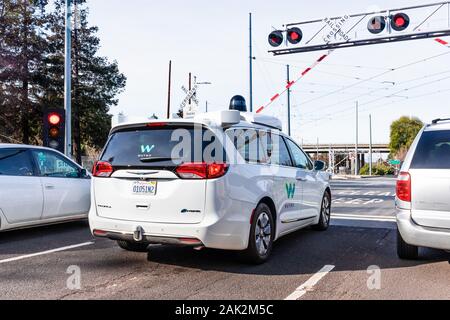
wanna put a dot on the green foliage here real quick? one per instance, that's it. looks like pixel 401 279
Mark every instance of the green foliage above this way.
pixel 378 169
pixel 403 133
pixel 22 48
pixel 32 73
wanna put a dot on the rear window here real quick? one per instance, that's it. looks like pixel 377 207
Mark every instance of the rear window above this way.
pixel 433 151
pixel 165 146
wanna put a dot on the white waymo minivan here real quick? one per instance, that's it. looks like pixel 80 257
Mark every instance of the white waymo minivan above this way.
pixel 225 180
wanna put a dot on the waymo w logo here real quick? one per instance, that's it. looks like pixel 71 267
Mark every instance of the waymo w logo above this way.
pixel 290 190
pixel 147 148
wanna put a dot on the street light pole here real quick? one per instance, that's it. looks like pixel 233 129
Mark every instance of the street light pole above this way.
pixel 68 79
pixel 370 145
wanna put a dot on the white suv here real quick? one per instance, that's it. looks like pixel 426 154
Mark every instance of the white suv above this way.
pixel 423 192
pixel 225 180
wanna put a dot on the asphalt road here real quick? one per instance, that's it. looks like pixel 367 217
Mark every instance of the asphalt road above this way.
pixel 361 236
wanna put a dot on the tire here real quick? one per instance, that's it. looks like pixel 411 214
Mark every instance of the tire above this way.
pixel 262 233
pixel 325 213
pixel 406 251
pixel 133 246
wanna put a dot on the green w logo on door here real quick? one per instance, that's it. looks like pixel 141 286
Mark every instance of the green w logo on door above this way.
pixel 290 190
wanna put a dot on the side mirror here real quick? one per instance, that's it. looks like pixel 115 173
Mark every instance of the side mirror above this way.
pixel 320 165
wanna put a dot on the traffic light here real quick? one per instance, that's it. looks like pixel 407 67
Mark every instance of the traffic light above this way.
pixel 54 129
pixel 276 38
pixel 376 25
pixel 294 35
pixel 400 21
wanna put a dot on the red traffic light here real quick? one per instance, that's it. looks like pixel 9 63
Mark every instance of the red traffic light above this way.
pixel 294 35
pixel 276 38
pixel 376 25
pixel 400 22
pixel 54 119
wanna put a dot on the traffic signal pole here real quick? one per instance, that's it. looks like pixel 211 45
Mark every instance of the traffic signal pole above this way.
pixel 68 79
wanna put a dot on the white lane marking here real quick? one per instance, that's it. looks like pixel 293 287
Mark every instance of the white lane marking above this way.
pixel 47 252
pixel 309 285
pixel 363 217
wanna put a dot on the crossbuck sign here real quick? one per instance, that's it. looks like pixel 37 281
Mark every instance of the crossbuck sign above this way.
pixel 189 109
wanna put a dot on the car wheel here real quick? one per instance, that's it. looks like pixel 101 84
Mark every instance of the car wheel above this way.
pixel 406 251
pixel 133 246
pixel 261 236
pixel 325 213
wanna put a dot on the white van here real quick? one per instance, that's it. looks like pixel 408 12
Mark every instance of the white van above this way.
pixel 225 180
pixel 422 201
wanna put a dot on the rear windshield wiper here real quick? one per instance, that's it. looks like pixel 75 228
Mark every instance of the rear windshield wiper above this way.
pixel 157 159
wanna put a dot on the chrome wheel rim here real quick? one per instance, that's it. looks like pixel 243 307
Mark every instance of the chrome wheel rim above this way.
pixel 263 233
pixel 326 210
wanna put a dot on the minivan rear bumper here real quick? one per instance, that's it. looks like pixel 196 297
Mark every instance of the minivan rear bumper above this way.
pixel 416 235
pixel 219 234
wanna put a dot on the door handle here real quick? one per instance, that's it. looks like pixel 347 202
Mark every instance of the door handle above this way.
pixel 49 187
pixel 302 179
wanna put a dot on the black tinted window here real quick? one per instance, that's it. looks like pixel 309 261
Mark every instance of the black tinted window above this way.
pixel 162 146
pixel 15 162
pixel 280 154
pixel 433 151
pixel 299 157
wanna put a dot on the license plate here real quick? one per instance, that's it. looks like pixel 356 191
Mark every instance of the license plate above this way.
pixel 147 188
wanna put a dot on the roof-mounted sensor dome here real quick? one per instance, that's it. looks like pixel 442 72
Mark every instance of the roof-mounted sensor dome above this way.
pixel 238 103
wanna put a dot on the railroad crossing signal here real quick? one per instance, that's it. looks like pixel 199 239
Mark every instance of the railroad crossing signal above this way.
pixel 388 26
pixel 376 25
pixel 294 35
pixel 276 38
pixel 54 129
pixel 400 21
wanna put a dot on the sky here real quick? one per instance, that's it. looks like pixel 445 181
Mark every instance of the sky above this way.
pixel 211 40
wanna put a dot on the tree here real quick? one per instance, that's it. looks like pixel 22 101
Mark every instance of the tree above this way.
pixel 96 80
pixel 403 133
pixel 22 48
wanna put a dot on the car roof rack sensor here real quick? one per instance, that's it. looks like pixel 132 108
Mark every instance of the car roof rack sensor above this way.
pixel 440 120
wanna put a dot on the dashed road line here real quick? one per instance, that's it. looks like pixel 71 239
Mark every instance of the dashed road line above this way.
pixel 343 216
pixel 46 252
pixel 309 285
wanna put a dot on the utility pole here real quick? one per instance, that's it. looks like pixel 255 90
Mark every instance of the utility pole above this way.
pixel 317 151
pixel 289 101
pixel 170 88
pixel 68 79
pixel 370 145
pixel 251 61
pixel 356 144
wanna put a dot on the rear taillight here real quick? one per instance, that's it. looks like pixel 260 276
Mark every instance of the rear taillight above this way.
pixel 217 170
pixel 201 170
pixel 102 169
pixel 403 189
